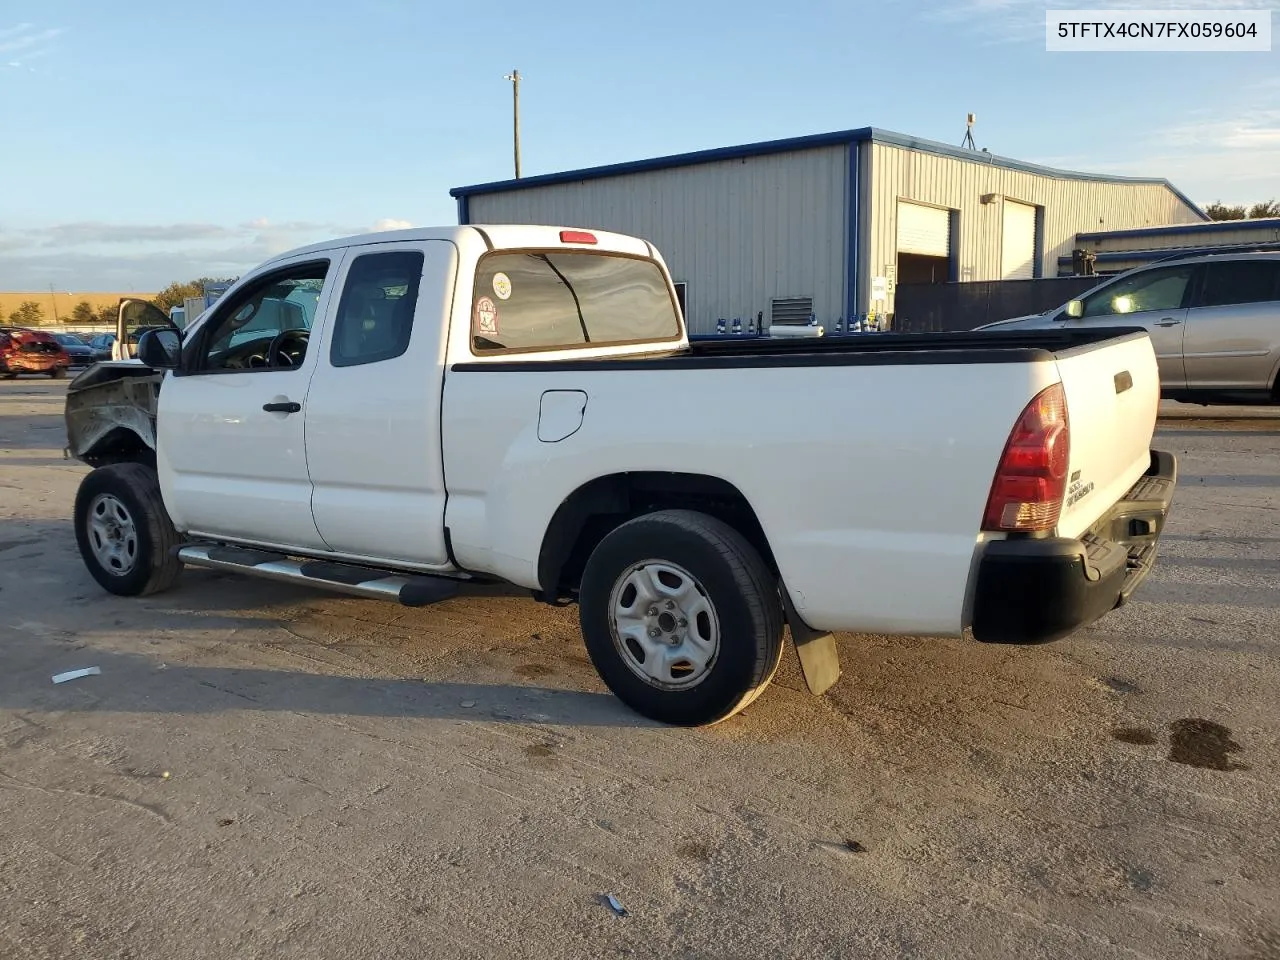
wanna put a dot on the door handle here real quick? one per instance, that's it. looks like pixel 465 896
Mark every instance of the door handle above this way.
pixel 1167 322
pixel 287 406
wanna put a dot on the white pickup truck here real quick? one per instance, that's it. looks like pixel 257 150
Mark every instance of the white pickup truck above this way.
pixel 391 414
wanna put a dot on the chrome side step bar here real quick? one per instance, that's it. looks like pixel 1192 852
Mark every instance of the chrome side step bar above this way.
pixel 410 590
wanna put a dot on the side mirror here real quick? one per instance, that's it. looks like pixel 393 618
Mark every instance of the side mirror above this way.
pixel 160 348
pixel 1075 309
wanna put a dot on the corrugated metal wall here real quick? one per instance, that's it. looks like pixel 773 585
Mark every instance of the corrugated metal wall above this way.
pixel 1071 207
pixel 739 232
pixel 1267 231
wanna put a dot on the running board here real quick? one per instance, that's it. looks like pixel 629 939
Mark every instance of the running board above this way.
pixel 410 590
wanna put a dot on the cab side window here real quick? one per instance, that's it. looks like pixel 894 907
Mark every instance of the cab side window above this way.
pixel 1229 282
pixel 375 315
pixel 1154 290
pixel 265 327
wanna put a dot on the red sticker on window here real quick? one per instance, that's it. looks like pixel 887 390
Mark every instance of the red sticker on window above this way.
pixel 487 315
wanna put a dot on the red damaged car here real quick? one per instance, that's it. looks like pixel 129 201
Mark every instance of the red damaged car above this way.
pixel 31 351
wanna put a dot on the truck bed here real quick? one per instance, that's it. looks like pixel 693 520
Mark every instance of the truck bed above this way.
pixel 868 459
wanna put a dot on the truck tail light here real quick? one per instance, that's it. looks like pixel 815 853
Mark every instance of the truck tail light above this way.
pixel 1031 481
pixel 577 236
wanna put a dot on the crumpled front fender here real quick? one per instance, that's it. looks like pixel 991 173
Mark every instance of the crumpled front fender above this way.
pixel 108 399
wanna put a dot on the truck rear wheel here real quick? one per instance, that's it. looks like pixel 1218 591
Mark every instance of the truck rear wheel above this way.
pixel 125 536
pixel 681 617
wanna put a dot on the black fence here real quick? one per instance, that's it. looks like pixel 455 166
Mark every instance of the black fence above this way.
pixel 946 307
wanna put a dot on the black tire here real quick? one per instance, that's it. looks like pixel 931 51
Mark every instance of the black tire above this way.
pixel 135 487
pixel 57 373
pixel 730 574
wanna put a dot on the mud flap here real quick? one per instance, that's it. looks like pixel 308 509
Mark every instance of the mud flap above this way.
pixel 819 659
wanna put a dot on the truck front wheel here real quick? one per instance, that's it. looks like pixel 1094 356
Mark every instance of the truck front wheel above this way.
pixel 681 617
pixel 125 536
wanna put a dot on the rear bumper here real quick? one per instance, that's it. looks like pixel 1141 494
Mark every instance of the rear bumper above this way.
pixel 1036 591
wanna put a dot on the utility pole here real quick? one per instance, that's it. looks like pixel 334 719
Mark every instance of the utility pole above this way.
pixel 53 298
pixel 514 77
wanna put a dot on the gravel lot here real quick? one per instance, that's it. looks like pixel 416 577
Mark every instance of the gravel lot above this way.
pixel 266 771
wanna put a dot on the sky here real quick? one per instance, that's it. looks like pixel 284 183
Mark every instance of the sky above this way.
pixel 146 142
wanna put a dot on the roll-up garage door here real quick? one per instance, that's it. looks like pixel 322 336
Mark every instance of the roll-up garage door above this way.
pixel 924 230
pixel 1018 243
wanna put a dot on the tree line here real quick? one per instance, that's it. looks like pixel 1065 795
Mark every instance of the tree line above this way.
pixel 30 313
pixel 1220 211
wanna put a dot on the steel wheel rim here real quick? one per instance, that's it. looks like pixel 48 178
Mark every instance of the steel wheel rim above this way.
pixel 113 535
pixel 664 625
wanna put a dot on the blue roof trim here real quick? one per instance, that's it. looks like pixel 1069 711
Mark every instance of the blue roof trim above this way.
pixel 836 138
pixel 1194 229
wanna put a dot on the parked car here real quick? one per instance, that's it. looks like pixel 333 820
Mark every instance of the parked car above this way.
pixel 522 404
pixel 79 352
pixel 23 350
pixel 1214 321
pixel 101 346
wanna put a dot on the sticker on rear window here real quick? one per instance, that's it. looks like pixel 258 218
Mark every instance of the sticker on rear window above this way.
pixel 502 286
pixel 487 314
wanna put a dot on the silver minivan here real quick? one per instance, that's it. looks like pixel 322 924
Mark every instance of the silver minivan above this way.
pixel 1214 322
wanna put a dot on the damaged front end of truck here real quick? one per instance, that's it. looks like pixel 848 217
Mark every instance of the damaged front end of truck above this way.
pixel 111 414
pixel 111 407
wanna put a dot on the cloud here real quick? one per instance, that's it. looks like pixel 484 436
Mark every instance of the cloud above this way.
pixel 33 55
pixel 387 223
pixel 1248 129
pixel 80 234
pixel 1215 153
pixel 23 43
pixel 1229 152
pixel 26 39
pixel 96 255
pixel 17 30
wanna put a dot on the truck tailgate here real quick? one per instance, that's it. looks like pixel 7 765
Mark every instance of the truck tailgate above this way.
pixel 1113 399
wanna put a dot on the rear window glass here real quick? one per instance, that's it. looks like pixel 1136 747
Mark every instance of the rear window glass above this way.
pixel 549 300
pixel 1241 281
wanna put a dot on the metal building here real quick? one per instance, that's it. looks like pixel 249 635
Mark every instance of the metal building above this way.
pixel 828 225
pixel 1118 250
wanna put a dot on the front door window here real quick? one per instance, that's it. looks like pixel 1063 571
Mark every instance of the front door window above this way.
pixel 266 327
pixel 1141 293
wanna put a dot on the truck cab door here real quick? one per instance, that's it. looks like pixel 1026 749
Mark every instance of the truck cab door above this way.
pixel 373 415
pixel 1156 300
pixel 132 317
pixel 230 451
